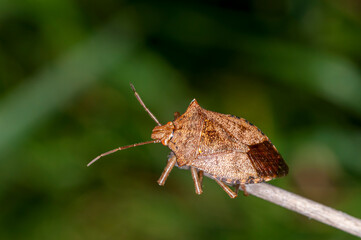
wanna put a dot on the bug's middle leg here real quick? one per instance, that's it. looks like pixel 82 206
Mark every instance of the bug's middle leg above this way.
pixel 171 162
pixel 236 188
pixel 197 181
pixel 200 176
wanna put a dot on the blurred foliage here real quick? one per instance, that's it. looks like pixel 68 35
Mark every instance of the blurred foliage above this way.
pixel 290 67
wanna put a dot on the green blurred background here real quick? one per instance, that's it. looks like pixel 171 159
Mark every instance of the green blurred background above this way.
pixel 290 67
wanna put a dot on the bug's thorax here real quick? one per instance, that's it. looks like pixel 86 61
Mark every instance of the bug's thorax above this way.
pixel 163 133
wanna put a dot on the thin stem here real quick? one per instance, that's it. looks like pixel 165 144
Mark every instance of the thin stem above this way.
pixel 306 207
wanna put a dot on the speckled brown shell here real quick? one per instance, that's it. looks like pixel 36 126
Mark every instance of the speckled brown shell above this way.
pixel 225 147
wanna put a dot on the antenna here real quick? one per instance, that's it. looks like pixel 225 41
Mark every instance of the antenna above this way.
pixel 136 144
pixel 143 105
pixel 119 149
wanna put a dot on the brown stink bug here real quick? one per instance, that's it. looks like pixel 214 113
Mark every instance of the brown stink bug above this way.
pixel 224 147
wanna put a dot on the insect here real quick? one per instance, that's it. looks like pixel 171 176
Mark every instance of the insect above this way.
pixel 226 148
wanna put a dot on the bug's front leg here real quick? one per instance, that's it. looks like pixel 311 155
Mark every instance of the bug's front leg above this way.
pixel 196 180
pixel 171 162
pixel 226 189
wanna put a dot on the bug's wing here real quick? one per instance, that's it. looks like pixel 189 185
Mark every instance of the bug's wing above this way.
pixel 235 128
pixel 230 166
pixel 234 150
pixel 266 160
pixel 260 163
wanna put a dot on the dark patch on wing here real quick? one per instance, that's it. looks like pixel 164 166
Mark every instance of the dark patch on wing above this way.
pixel 266 160
pixel 209 135
pixel 214 138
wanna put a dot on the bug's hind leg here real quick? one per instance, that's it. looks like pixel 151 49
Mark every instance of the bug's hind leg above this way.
pixel 245 193
pixel 171 162
pixel 226 189
pixel 243 187
pixel 197 181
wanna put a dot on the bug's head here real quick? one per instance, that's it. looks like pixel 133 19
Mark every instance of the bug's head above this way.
pixel 163 133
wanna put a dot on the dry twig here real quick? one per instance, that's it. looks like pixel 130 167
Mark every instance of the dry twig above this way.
pixel 306 207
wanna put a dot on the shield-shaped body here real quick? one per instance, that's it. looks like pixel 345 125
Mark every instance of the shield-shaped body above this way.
pixel 225 147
